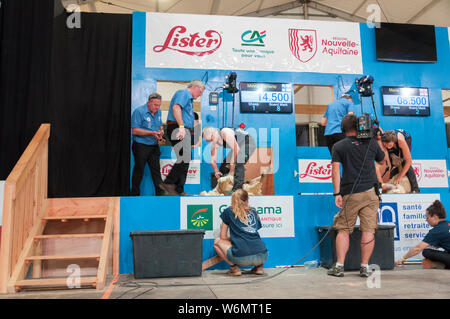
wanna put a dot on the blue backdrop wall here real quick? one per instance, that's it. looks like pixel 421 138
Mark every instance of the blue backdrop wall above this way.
pixel 429 141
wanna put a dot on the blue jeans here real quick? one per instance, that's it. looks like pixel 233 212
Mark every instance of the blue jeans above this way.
pixel 251 260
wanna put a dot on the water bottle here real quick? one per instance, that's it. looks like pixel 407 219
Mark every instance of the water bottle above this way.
pixel 311 264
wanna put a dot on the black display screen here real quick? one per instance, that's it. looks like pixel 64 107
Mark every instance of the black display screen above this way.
pixel 405 101
pixel 266 97
pixel 405 42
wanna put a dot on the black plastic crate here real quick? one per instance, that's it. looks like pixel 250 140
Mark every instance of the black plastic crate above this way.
pixel 382 255
pixel 167 253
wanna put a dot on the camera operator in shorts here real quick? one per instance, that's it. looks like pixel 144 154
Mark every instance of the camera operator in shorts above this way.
pixel 356 193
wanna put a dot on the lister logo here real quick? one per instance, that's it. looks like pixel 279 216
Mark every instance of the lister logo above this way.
pixel 318 172
pixel 192 43
pixel 165 170
pixel 200 217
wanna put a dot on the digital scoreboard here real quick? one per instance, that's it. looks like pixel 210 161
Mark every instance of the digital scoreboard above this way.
pixel 406 101
pixel 266 97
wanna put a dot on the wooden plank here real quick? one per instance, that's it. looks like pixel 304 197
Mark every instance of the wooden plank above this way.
pixel 107 241
pixel 78 206
pixel 446 110
pixel 53 282
pixel 310 109
pixel 83 217
pixel 211 262
pixel 20 269
pixel 63 236
pixel 62 257
pixel 7 238
pixel 116 237
pixel 21 170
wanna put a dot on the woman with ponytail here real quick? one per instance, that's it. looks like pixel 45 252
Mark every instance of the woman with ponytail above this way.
pixel 435 246
pixel 244 246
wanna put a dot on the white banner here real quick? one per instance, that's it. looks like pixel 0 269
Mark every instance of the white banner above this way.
pixel 193 176
pixel 407 213
pixel 203 212
pixel 429 173
pixel 256 44
pixel 314 171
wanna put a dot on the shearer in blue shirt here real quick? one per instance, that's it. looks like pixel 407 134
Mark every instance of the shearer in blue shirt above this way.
pixel 146 128
pixel 180 122
pixel 333 117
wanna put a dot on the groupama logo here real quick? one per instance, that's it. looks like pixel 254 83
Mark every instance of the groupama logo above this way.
pixel 200 217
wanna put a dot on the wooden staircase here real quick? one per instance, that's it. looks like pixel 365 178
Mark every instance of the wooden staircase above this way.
pixel 71 240
pixel 59 243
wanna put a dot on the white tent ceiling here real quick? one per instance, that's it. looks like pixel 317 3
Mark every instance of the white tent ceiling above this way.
pixel 435 12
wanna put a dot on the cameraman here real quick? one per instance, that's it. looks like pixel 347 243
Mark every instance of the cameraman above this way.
pixel 355 193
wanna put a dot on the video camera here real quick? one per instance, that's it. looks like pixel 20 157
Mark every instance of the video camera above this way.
pixel 367 127
pixel 230 83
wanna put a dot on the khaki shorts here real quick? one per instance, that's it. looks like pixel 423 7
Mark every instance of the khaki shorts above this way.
pixel 365 205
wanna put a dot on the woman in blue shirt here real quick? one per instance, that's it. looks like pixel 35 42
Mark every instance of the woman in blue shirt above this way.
pixel 244 247
pixel 437 237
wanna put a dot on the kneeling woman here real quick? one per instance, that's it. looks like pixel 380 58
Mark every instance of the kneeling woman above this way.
pixel 244 247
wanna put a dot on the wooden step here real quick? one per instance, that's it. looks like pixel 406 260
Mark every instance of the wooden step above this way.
pixel 65 236
pixel 53 282
pixel 77 217
pixel 62 257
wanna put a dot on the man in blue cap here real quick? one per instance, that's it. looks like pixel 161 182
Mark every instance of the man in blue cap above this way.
pixel 333 117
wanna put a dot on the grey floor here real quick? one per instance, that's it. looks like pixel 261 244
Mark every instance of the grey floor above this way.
pixel 410 282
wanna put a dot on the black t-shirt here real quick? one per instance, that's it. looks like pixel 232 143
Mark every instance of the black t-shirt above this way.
pixel 350 152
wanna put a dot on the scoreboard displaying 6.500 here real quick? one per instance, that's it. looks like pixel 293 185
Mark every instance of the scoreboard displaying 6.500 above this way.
pixel 405 101
pixel 266 97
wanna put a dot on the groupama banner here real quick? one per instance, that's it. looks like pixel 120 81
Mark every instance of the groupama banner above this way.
pixel 257 44
pixel 275 212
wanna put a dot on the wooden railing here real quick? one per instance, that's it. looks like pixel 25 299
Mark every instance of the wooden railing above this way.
pixel 25 202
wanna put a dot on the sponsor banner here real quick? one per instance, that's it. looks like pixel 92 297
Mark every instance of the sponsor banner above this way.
pixel 407 213
pixel 256 44
pixel 275 212
pixel 429 173
pixel 314 171
pixel 193 176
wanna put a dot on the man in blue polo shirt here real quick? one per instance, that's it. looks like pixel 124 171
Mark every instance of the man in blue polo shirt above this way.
pixel 333 117
pixel 146 127
pixel 180 122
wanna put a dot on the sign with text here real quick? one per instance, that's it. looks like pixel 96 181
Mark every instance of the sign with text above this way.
pixel 429 173
pixel 275 212
pixel 190 41
pixel 407 213
pixel 314 171
pixel 193 176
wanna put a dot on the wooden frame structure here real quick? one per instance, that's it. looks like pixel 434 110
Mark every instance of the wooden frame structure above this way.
pixel 30 219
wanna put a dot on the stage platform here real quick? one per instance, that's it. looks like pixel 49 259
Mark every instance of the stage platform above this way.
pixel 406 282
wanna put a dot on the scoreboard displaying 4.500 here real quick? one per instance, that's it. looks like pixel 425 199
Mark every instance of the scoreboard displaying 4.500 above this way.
pixel 405 101
pixel 266 97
